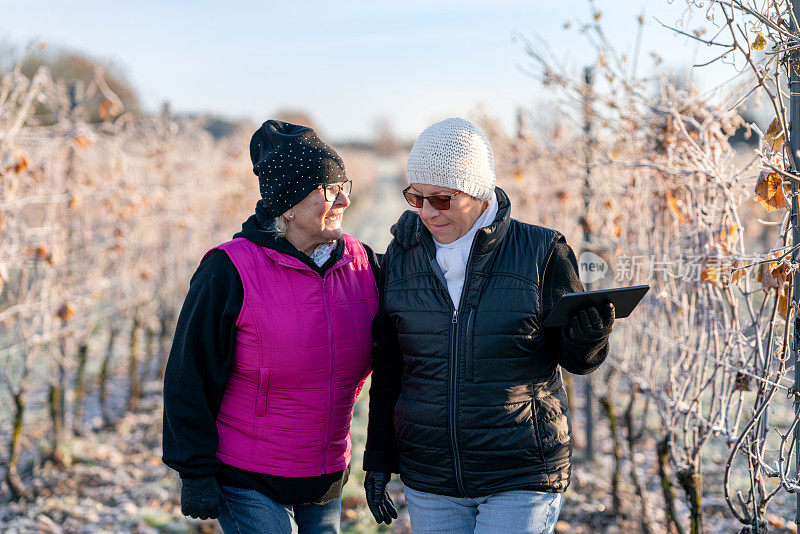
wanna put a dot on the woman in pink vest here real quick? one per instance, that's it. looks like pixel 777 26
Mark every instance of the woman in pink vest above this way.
pixel 271 349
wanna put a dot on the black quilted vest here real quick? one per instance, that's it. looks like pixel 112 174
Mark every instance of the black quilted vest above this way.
pixel 482 408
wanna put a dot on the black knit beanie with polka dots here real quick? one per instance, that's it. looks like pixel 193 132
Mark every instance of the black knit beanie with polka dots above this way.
pixel 291 161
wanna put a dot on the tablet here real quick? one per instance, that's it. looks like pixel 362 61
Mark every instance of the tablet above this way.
pixel 624 299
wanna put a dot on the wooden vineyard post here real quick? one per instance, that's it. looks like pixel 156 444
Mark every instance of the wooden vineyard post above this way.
pixel 587 237
pixel 794 146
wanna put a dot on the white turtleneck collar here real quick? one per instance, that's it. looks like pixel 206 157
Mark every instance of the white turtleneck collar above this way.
pixel 453 257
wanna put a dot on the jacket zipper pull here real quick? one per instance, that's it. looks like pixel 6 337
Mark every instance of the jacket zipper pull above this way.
pixel 455 316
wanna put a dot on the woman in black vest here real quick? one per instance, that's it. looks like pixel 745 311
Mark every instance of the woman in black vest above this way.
pixel 466 401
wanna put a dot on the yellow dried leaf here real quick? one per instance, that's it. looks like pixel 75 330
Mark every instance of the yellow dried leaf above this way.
pixel 597 15
pixel 773 274
pixel 730 232
pixel 616 230
pixel 783 306
pixel 675 208
pixel 105 109
pixel 65 312
pixel 736 273
pixel 82 141
pixel 760 42
pixel 779 198
pixel 770 191
pixel 768 206
pixel 728 237
pixel 774 136
pixel 41 253
pixel 712 275
pixel 780 272
pixel 21 164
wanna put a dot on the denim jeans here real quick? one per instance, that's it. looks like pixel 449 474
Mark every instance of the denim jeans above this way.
pixel 245 511
pixel 523 512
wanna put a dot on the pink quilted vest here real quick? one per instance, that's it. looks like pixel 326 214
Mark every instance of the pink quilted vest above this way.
pixel 302 354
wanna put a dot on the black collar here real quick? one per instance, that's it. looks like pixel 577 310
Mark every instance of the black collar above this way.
pixel 260 229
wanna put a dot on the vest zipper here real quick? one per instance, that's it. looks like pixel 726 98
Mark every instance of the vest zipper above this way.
pixel 453 415
pixel 454 403
pixel 330 376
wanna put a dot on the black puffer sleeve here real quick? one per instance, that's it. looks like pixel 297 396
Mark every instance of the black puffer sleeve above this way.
pixel 381 451
pixel 199 365
pixel 561 277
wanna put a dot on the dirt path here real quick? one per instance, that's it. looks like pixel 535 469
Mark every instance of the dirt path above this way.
pixel 370 218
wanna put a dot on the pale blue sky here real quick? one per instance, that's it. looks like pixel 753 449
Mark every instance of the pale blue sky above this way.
pixel 346 63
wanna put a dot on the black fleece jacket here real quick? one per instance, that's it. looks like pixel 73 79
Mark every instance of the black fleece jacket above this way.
pixel 200 364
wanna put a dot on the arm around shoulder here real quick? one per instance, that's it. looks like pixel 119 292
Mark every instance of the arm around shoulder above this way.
pixel 381 451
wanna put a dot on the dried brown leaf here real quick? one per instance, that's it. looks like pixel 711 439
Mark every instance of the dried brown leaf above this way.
pixel 21 164
pixel 783 306
pixel 774 135
pixel 712 274
pixel 760 42
pixel 675 208
pixel 770 190
pixel 82 141
pixel 65 312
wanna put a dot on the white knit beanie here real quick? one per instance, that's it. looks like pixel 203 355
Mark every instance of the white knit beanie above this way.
pixel 453 153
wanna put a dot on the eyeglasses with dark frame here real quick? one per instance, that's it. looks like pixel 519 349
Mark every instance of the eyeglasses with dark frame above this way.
pixel 437 202
pixel 332 190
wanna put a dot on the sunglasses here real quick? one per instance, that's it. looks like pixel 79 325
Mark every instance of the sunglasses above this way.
pixel 437 202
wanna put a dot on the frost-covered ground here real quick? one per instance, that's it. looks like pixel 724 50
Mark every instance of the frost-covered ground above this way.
pixel 117 483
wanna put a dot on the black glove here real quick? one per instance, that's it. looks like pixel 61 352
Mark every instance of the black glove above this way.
pixel 405 229
pixel 378 499
pixel 590 325
pixel 201 497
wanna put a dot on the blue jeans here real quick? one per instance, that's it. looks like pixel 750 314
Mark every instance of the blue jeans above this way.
pixel 523 512
pixel 246 510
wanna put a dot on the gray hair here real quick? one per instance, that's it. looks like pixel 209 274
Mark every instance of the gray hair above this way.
pixel 279 224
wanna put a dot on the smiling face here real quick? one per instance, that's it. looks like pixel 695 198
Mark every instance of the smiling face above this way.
pixel 315 220
pixel 448 225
